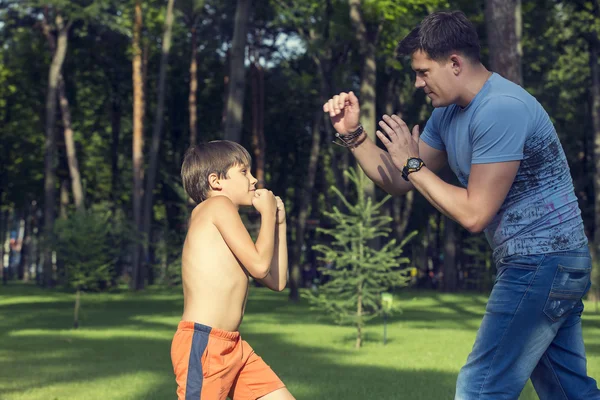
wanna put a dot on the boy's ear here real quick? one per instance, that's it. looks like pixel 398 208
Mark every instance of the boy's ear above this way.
pixel 214 182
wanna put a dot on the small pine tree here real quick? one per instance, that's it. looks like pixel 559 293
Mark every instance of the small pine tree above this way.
pixel 86 243
pixel 352 295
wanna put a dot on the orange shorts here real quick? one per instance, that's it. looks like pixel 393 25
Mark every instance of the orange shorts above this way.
pixel 211 364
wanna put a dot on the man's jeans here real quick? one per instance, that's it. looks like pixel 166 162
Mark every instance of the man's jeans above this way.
pixel 532 329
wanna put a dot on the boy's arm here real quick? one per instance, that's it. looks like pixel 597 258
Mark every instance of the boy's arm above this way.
pixel 277 277
pixel 255 257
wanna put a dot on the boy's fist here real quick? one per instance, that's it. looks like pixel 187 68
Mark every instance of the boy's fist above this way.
pixel 264 201
pixel 280 210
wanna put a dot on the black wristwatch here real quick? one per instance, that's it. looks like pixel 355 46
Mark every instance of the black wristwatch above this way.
pixel 413 164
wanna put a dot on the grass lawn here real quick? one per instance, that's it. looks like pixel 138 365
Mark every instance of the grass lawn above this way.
pixel 122 349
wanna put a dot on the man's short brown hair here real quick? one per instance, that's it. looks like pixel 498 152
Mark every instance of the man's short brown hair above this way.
pixel 215 157
pixel 440 34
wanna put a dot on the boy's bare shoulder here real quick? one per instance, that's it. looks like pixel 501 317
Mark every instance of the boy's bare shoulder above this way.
pixel 212 208
pixel 216 204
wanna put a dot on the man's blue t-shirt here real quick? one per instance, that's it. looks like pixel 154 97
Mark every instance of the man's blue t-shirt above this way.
pixel 505 123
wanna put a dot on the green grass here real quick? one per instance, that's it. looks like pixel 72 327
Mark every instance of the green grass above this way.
pixel 122 349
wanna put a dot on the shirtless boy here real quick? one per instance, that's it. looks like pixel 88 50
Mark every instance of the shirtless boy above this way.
pixel 210 360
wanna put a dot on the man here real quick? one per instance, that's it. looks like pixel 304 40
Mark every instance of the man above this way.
pixel 517 188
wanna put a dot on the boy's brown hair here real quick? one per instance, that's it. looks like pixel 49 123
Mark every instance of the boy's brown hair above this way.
pixel 204 159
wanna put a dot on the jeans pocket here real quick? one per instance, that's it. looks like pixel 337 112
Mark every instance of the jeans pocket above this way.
pixel 568 287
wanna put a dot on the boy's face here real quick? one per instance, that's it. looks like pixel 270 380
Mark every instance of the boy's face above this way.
pixel 436 79
pixel 239 185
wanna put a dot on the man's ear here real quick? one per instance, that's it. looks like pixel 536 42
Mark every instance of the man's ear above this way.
pixel 457 62
pixel 214 182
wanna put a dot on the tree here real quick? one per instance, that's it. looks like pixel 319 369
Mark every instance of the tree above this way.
pixel 64 15
pixel 157 131
pixel 191 10
pixel 450 277
pixel 138 140
pixel 595 89
pixel 360 273
pixel 74 172
pixel 86 243
pixel 320 42
pixel 50 145
pixel 593 39
pixel 503 20
pixel 237 74
pixel 367 38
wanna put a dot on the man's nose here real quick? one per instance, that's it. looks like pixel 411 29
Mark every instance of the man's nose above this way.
pixel 419 83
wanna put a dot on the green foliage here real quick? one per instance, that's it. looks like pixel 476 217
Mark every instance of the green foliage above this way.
pixel 361 271
pixel 88 243
pixel 478 268
pixel 302 44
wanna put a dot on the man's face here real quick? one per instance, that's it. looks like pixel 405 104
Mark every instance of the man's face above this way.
pixel 435 78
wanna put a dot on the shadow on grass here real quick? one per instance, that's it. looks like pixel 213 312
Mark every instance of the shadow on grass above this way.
pixel 592 349
pixel 31 362
pixel 438 313
pixel 50 309
pixel 305 370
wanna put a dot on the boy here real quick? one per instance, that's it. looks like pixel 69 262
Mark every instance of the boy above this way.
pixel 210 360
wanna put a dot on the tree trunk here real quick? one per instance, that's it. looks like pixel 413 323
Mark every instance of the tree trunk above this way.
pixel 193 86
pixel 115 124
pixel 235 97
pixel 340 162
pixel 157 131
pixel 359 309
pixel 402 208
pixel 21 245
pixel 324 67
pixel 64 199
pixel 304 202
pixel 450 277
pixel 76 185
pixel 27 243
pixel 368 79
pixel 33 245
pixel 503 22
pixel 594 46
pixel 391 98
pixel 2 237
pixel 76 311
pixel 50 144
pixel 258 121
pixel 138 130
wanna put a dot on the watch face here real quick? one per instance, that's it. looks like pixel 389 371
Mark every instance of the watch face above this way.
pixel 413 163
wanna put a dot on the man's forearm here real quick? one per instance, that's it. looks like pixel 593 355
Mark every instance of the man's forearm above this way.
pixel 450 200
pixel 378 166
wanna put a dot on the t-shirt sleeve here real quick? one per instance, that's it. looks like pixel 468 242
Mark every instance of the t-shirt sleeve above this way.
pixel 431 133
pixel 499 130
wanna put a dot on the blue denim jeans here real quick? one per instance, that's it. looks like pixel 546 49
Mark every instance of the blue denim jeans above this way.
pixel 532 329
